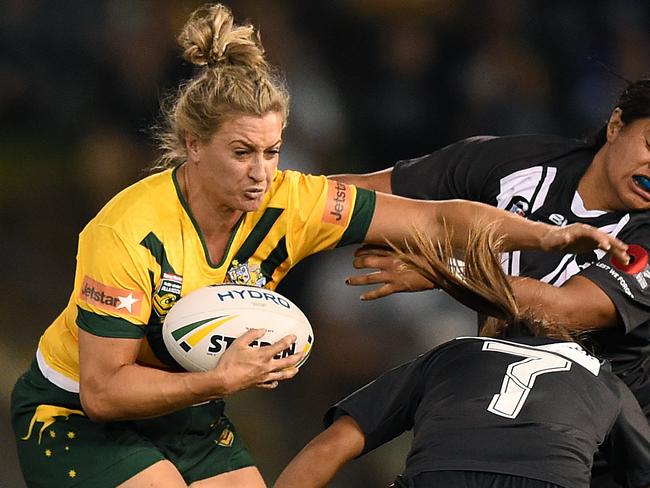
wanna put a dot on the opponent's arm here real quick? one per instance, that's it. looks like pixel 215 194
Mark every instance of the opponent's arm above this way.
pixel 378 181
pixel 319 461
pixel 396 218
pixel 114 387
pixel 578 304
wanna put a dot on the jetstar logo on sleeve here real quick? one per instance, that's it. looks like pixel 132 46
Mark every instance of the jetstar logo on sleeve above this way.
pixel 337 206
pixel 110 299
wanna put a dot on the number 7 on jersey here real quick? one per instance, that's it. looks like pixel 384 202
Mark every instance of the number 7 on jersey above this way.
pixel 520 376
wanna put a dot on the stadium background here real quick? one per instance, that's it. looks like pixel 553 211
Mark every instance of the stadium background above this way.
pixel 372 81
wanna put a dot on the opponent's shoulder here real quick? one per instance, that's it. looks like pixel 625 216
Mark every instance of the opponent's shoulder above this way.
pixel 523 144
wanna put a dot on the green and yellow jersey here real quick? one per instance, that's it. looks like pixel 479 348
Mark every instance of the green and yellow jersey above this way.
pixel 143 251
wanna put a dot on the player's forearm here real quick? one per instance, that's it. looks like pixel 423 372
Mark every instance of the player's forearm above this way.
pixel 395 219
pixel 136 392
pixel 309 469
pixel 579 304
pixel 461 216
pixel 321 459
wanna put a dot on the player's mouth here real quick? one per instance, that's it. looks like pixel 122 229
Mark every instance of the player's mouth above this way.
pixel 642 183
pixel 254 193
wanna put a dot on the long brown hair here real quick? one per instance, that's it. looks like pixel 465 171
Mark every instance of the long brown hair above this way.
pixel 478 281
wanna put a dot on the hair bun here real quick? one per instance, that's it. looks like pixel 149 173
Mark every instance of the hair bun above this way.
pixel 210 38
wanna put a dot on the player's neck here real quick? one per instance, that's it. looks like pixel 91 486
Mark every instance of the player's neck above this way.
pixel 215 221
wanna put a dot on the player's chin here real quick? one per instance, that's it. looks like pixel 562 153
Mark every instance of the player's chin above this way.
pixel 250 204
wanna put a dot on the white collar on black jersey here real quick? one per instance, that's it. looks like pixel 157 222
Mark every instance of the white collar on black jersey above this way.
pixel 579 210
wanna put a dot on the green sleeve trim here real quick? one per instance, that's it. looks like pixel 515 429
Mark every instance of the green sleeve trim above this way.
pixel 105 326
pixel 364 209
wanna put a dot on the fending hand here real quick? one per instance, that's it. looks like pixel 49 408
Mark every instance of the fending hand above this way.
pixel 390 275
pixel 578 238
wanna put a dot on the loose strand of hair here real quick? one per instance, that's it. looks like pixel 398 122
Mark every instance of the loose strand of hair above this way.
pixel 481 283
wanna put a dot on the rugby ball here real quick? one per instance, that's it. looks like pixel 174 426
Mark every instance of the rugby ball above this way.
pixel 204 323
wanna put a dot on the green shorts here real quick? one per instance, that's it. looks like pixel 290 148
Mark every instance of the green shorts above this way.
pixel 59 446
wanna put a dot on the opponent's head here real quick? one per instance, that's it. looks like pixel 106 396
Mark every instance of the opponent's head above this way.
pixel 623 160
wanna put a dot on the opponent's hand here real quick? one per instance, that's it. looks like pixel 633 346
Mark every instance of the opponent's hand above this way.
pixel 243 366
pixel 390 273
pixel 578 238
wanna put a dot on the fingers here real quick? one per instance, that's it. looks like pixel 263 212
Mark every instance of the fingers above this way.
pixel 270 352
pixel 618 249
pixel 375 278
pixel 277 347
pixel 281 345
pixel 250 336
pixel 603 241
pixel 286 363
pixel 578 238
pixel 377 262
pixel 272 380
pixel 375 293
pixel 366 279
pixel 370 250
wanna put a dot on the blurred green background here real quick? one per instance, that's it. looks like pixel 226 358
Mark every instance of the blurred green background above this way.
pixel 372 81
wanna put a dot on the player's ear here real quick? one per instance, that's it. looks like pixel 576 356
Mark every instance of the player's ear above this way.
pixel 192 147
pixel 615 124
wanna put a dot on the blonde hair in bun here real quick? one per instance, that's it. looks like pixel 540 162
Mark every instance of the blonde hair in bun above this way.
pixel 236 79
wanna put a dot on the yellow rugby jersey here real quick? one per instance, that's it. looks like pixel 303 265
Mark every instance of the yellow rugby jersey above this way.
pixel 143 251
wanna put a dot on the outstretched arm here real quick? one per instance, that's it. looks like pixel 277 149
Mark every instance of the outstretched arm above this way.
pixel 396 218
pixel 579 303
pixel 319 461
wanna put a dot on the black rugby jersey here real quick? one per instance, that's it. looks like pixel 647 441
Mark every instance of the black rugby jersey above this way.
pixel 537 177
pixel 523 407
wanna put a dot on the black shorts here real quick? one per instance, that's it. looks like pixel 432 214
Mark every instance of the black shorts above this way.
pixel 468 479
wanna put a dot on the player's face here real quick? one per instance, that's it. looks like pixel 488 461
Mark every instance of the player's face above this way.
pixel 627 165
pixel 236 165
